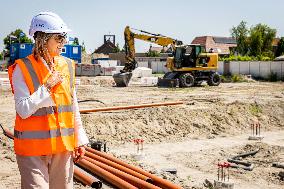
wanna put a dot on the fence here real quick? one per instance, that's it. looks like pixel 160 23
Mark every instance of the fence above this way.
pixel 258 69
pixel 156 66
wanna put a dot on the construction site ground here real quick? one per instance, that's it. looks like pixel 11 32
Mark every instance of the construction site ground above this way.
pixel 211 125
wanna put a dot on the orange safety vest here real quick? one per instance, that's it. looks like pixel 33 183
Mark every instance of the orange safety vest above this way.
pixel 49 130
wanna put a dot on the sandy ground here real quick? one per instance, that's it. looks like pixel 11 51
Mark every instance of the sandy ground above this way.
pixel 213 124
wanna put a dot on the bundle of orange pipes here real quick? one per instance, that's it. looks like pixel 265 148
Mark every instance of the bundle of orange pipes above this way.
pixel 114 171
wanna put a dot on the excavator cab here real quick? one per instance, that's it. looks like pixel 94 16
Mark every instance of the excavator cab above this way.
pixel 179 57
pixel 186 56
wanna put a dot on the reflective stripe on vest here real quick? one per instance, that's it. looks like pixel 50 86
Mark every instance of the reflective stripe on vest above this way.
pixel 32 73
pixel 43 134
pixel 35 79
pixel 52 110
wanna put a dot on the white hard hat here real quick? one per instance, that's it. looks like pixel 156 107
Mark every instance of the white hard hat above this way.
pixel 48 22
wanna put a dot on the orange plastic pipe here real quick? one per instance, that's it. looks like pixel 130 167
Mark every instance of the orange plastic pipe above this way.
pixel 86 178
pixel 127 177
pixel 156 180
pixel 116 181
pixel 129 107
pixel 117 166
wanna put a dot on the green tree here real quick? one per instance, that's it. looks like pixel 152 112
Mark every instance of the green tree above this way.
pixel 255 43
pixel 76 41
pixel 21 37
pixel 261 37
pixel 83 47
pixel 117 48
pixel 280 47
pixel 1 56
pixel 151 53
pixel 240 33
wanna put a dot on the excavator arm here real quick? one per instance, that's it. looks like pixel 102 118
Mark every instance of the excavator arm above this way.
pixel 122 79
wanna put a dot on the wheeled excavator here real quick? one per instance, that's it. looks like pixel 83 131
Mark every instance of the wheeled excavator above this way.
pixel 188 65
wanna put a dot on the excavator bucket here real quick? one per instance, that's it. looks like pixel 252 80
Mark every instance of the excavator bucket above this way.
pixel 169 80
pixel 122 79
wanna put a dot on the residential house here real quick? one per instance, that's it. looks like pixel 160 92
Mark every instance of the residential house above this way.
pixel 221 45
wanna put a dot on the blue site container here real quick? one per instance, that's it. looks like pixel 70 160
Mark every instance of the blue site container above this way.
pixel 21 50
pixel 73 52
pixel 18 50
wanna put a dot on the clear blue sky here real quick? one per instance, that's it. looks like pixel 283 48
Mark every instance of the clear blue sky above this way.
pixel 181 19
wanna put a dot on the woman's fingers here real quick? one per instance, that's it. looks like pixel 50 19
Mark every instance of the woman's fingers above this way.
pixel 78 154
pixel 55 79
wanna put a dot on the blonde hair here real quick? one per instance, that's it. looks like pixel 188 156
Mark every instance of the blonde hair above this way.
pixel 40 47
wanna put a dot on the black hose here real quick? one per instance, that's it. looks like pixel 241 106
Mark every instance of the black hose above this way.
pixel 252 153
pixel 90 100
pixel 278 165
pixel 245 165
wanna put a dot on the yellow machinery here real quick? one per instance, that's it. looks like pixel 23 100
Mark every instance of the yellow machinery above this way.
pixel 188 65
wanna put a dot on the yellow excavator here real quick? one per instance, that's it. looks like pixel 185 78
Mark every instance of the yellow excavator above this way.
pixel 188 65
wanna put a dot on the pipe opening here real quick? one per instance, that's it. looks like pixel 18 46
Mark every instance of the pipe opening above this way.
pixel 149 181
pixel 97 185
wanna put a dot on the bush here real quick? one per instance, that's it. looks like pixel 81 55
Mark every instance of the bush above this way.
pixel 152 54
pixel 233 78
pixel 255 109
pixel 237 78
pixel 224 79
pixel 246 58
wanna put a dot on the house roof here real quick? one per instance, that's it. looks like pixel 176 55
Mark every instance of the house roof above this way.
pixel 279 58
pixel 225 40
pixel 159 49
pixel 200 40
pixel 221 45
pixel 106 48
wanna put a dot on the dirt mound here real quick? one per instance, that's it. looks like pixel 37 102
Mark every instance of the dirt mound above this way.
pixel 178 122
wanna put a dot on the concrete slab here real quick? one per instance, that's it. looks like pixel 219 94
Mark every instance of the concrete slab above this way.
pixel 107 63
pixel 255 137
pixel 118 68
pixel 142 72
pixel 108 70
pixel 149 81
pixel 223 185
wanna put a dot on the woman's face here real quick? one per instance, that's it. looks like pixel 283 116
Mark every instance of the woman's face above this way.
pixel 55 44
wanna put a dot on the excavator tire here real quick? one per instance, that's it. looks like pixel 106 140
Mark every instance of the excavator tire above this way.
pixel 186 80
pixel 214 79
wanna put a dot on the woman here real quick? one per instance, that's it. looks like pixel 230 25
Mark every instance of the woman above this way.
pixel 48 130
